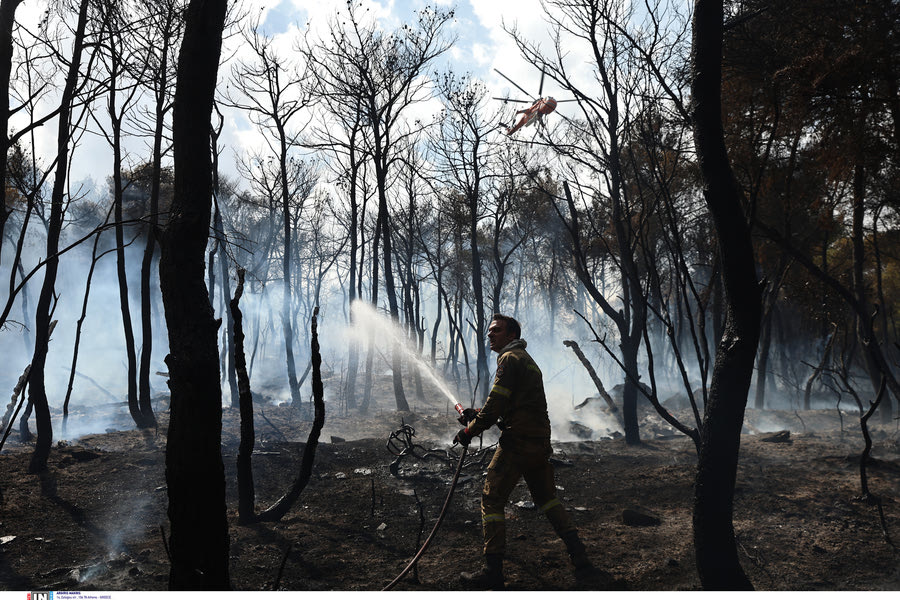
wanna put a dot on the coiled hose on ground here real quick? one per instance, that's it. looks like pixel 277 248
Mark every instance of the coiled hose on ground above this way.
pixel 440 518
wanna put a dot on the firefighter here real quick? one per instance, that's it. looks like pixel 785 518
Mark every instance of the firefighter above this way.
pixel 517 404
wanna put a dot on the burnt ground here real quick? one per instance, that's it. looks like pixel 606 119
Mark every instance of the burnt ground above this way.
pixel 94 521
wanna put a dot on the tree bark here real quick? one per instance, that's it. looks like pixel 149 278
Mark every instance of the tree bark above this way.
pixel 37 392
pixel 246 493
pixel 714 543
pixel 195 473
pixel 284 504
pixel 7 20
pixel 115 139
pixel 161 108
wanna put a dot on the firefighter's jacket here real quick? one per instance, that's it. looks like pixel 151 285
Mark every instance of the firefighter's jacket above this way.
pixel 517 399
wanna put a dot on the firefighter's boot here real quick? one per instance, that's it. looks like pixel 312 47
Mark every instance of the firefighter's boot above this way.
pixel 577 553
pixel 490 577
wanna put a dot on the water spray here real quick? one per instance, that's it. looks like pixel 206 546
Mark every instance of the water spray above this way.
pixel 369 322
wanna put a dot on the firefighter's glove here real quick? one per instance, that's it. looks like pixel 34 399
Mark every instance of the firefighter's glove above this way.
pixel 468 415
pixel 463 438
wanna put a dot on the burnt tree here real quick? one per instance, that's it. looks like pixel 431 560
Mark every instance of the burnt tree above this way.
pixel 164 33
pixel 720 437
pixel 37 392
pixel 246 493
pixel 7 20
pixel 195 473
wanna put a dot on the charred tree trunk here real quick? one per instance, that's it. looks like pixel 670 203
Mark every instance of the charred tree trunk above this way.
pixel 230 361
pixel 353 360
pixel 37 392
pixel 246 492
pixel 865 330
pixel 84 306
pixel 481 364
pixel 284 504
pixel 365 405
pixel 627 320
pixel 121 274
pixel 286 322
pixel 352 366
pixel 390 287
pixel 817 372
pixel 195 473
pixel 162 107
pixel 762 365
pixel 438 315
pixel 371 350
pixel 630 346
pixel 7 19
pixel 714 543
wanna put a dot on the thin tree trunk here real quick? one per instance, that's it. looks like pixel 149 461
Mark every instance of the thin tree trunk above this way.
pixel 864 327
pixel 284 504
pixel 7 20
pixel 807 392
pixel 365 406
pixel 226 291
pixel 84 306
pixel 246 492
pixel 121 273
pixel 144 400
pixel 37 392
pixel 390 286
pixel 762 364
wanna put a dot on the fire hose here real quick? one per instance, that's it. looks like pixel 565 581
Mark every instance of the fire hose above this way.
pixel 440 518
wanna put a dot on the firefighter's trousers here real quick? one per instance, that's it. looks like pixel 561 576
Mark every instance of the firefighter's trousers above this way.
pixel 503 474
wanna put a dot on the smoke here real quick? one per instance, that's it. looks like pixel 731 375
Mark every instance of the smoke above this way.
pixel 102 365
pixel 101 371
pixel 369 324
pixel 566 383
pixel 101 379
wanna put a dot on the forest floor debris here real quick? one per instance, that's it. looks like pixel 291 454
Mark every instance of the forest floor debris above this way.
pixel 93 522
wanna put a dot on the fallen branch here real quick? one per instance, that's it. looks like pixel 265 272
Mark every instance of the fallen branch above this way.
pixel 19 389
pixel 99 387
pixel 599 384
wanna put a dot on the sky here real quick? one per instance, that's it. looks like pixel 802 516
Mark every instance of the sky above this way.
pixel 482 45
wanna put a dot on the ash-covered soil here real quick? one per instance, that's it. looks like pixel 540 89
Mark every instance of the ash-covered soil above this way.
pixel 96 520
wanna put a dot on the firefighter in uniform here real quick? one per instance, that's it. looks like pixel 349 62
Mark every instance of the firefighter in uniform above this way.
pixel 517 404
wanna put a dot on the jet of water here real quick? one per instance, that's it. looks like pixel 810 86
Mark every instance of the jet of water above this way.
pixel 369 323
